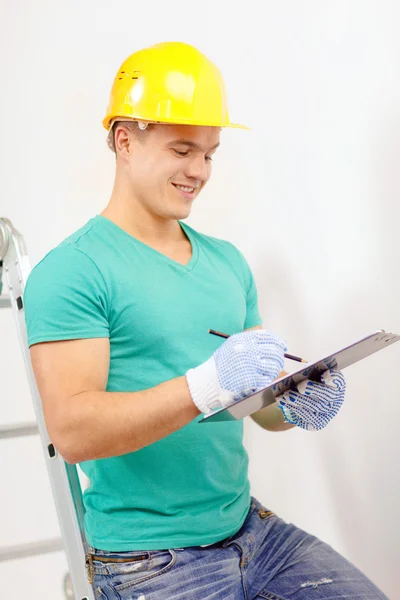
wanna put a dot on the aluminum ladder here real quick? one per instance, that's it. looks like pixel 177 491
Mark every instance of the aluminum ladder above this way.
pixel 64 479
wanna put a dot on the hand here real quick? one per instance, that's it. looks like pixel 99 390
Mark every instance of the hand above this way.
pixel 245 363
pixel 315 404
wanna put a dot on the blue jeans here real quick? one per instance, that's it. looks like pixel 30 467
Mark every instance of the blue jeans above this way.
pixel 267 558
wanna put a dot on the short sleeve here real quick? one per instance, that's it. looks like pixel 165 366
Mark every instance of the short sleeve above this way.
pixel 65 298
pixel 253 317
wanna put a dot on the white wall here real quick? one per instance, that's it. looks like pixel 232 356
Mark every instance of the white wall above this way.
pixel 310 195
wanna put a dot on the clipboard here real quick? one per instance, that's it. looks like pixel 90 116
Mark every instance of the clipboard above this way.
pixel 338 360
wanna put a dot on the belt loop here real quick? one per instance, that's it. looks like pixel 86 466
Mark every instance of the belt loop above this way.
pixel 89 567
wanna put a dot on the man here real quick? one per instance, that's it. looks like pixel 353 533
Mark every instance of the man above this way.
pixel 118 318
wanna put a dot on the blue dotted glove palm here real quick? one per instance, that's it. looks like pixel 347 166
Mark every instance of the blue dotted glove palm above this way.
pixel 315 404
pixel 245 363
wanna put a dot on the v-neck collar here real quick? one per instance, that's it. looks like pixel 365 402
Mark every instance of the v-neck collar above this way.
pixel 186 230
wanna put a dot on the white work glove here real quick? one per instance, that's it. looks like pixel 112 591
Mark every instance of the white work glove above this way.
pixel 315 404
pixel 245 363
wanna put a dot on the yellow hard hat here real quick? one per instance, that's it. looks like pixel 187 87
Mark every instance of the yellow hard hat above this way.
pixel 171 82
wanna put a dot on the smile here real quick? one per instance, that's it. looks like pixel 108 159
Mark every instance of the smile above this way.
pixel 184 188
pixel 185 191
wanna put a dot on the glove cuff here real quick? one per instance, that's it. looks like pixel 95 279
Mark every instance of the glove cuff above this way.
pixel 287 414
pixel 204 387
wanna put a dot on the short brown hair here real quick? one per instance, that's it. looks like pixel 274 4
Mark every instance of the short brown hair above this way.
pixel 140 134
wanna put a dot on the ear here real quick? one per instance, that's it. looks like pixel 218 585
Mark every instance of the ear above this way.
pixel 122 138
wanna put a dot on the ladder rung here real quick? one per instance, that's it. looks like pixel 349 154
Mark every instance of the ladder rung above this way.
pixel 19 430
pixel 5 302
pixel 31 549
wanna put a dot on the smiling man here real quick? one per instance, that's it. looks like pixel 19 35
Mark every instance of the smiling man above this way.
pixel 118 317
pixel 160 172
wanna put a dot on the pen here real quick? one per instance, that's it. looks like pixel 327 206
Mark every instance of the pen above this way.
pixel 291 356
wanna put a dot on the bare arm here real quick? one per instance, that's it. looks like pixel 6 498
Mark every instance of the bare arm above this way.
pixel 271 417
pixel 84 421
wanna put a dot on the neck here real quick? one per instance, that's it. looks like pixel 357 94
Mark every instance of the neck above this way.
pixel 127 212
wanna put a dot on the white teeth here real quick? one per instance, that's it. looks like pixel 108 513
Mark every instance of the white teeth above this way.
pixel 184 189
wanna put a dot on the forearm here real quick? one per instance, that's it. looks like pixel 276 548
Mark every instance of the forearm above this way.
pixel 100 424
pixel 271 418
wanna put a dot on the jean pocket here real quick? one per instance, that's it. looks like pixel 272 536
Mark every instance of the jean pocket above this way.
pixel 100 594
pixel 129 574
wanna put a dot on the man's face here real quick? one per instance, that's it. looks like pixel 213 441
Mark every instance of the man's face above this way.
pixel 171 156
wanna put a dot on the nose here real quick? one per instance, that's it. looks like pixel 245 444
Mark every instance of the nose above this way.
pixel 198 168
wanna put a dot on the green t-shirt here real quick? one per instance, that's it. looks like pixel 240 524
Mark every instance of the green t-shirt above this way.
pixel 190 488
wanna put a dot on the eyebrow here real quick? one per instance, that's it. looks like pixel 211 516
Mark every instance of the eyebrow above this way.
pixel 191 144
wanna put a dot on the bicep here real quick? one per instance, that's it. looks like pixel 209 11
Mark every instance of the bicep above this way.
pixel 66 368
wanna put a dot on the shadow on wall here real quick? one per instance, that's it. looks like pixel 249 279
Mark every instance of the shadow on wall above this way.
pixel 281 300
pixel 363 478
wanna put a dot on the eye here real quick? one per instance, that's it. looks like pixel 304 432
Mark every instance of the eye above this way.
pixel 180 153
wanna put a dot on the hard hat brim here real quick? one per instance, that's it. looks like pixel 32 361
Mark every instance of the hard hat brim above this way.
pixel 110 119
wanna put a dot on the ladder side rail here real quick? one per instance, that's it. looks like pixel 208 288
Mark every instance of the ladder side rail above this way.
pixel 64 479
